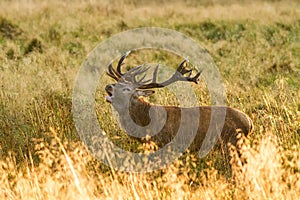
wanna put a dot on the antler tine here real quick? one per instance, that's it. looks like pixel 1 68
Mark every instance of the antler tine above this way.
pixel 121 62
pixel 145 84
pixel 132 73
pixel 112 73
pixel 129 75
pixel 181 69
pixel 155 74
pixel 141 70
pixel 195 78
pixel 141 82
pixel 181 66
pixel 112 76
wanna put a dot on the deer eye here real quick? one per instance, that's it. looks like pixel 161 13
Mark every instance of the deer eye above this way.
pixel 126 89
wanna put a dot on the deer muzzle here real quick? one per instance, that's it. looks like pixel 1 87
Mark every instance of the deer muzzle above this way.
pixel 109 91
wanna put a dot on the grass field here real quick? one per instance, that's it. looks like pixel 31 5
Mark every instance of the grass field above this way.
pixel 255 44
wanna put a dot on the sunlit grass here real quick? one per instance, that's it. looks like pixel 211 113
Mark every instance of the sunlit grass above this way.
pixel 255 45
pixel 68 171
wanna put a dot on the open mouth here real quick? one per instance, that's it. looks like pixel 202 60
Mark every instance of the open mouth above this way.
pixel 108 90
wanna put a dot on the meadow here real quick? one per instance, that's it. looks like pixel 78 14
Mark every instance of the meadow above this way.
pixel 255 45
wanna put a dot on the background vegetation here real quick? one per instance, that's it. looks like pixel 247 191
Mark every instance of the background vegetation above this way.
pixel 255 44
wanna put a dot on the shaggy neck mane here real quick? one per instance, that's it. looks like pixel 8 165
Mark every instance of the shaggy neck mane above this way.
pixel 139 111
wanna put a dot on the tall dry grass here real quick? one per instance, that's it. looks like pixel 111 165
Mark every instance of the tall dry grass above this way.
pixel 268 173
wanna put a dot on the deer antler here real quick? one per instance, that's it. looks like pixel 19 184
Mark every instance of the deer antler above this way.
pixel 130 76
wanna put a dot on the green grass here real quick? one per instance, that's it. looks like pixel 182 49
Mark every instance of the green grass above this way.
pixel 255 45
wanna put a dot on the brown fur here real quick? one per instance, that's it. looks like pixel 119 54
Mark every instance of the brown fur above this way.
pixel 235 121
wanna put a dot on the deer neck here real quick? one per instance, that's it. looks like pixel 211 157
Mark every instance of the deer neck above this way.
pixel 137 111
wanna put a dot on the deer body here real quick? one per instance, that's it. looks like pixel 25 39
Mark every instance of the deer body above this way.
pixel 139 112
pixel 125 98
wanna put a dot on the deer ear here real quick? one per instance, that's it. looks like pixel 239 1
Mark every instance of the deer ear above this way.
pixel 145 93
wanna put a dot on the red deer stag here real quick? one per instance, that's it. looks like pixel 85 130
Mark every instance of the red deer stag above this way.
pixel 125 97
